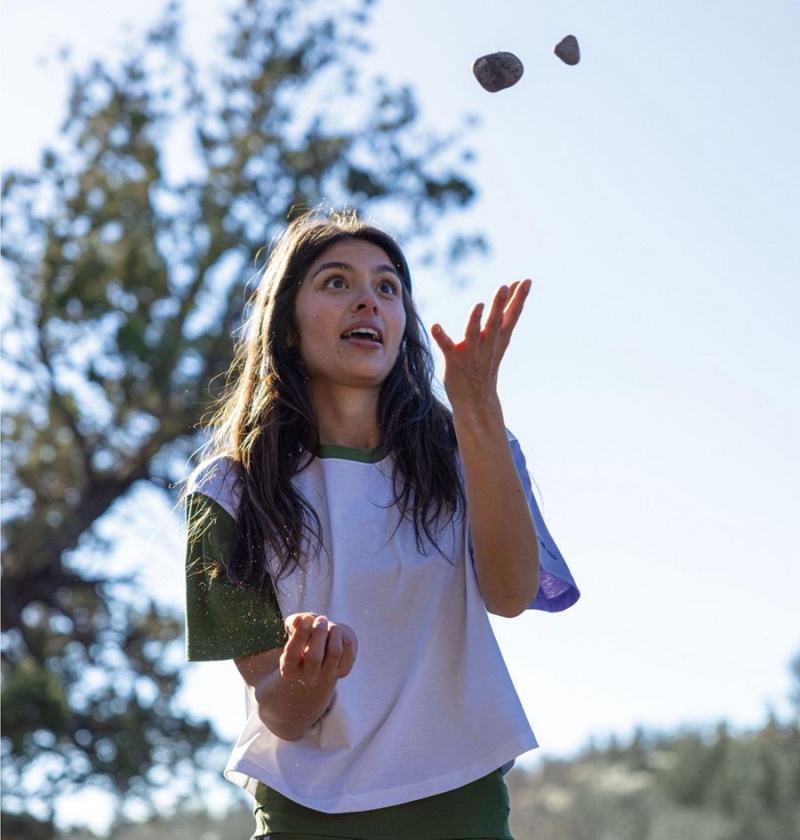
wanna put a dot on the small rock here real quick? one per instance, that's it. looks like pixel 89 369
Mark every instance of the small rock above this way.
pixel 568 51
pixel 497 71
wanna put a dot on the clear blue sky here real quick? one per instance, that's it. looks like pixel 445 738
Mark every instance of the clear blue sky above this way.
pixel 651 192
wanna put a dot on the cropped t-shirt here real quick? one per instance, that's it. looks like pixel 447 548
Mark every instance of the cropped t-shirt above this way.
pixel 429 706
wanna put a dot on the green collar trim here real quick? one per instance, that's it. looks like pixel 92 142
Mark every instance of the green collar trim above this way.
pixel 351 453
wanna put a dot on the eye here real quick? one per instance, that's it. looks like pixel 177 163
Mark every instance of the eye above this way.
pixel 389 287
pixel 334 282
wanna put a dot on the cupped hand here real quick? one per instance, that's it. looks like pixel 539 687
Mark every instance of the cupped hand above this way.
pixel 471 366
pixel 317 650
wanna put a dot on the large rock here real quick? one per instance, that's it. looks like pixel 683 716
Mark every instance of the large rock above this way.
pixel 497 71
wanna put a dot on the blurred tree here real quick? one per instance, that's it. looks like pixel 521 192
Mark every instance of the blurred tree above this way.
pixel 129 251
pixel 795 695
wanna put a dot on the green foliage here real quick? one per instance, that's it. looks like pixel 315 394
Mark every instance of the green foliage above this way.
pixel 690 785
pixel 130 250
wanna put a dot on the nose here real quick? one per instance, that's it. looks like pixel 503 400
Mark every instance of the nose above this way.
pixel 366 301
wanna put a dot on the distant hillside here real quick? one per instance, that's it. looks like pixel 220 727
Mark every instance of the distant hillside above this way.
pixel 686 786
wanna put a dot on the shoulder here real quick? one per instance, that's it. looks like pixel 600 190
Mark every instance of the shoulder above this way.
pixel 218 478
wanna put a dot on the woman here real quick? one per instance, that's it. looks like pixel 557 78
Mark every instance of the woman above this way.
pixel 349 535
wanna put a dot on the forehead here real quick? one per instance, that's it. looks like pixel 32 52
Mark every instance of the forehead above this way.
pixel 358 253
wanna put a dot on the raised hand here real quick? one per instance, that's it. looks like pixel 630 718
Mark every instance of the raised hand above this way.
pixel 505 551
pixel 472 365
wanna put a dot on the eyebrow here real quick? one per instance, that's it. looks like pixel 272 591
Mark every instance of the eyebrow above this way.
pixel 383 268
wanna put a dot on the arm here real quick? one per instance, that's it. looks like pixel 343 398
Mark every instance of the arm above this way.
pixel 292 680
pixel 503 535
pixel 223 620
pixel 293 686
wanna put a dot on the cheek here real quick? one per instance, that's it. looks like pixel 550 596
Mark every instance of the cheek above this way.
pixel 401 329
pixel 315 343
pixel 309 327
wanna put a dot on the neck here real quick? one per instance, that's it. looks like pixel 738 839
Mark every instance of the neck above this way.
pixel 347 417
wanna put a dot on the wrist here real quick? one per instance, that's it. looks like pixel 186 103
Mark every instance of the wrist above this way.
pixel 478 416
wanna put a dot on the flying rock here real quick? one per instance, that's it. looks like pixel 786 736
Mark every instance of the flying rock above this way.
pixel 567 50
pixel 497 71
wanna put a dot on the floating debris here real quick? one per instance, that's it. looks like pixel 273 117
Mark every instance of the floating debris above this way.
pixel 497 71
pixel 568 51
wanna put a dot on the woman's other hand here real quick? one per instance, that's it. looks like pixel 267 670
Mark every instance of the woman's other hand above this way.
pixel 317 649
pixel 295 685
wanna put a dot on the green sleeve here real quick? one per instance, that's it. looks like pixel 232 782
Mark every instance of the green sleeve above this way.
pixel 223 621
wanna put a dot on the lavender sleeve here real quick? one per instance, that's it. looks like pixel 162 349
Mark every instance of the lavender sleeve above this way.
pixel 557 589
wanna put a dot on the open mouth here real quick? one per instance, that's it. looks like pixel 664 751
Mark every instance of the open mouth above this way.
pixel 364 334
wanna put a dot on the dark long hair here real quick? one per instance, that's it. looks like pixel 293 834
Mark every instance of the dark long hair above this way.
pixel 266 421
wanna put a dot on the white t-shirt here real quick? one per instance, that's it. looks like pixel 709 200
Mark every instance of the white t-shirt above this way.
pixel 429 705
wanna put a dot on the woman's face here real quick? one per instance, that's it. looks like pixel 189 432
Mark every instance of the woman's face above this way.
pixel 350 317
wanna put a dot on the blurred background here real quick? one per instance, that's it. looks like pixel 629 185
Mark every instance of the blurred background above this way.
pixel 149 155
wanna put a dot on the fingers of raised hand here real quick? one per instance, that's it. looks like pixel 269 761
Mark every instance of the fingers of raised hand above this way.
pixel 495 320
pixel 504 312
pixel 446 344
pixel 473 330
pixel 492 336
pixel 507 308
pixel 517 294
